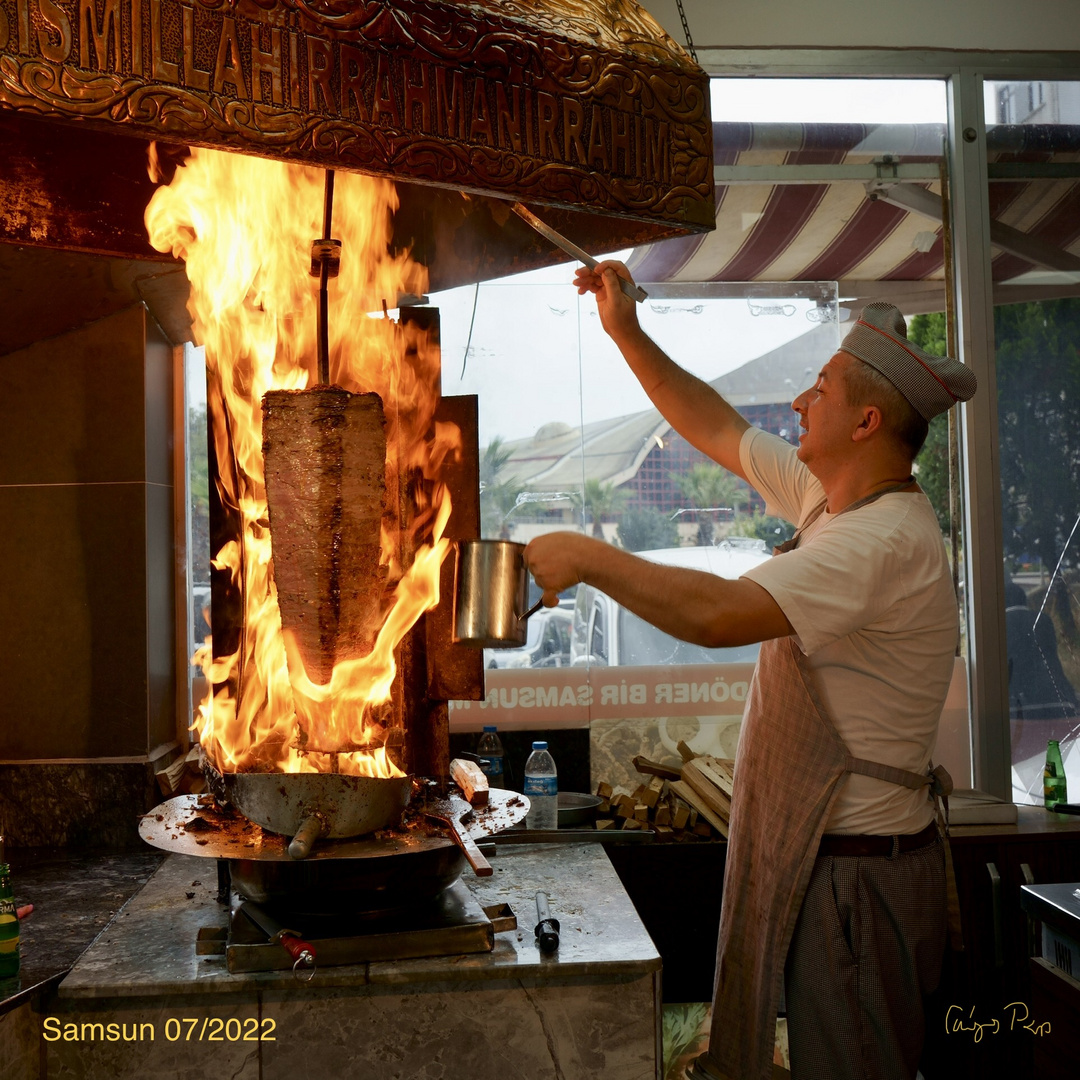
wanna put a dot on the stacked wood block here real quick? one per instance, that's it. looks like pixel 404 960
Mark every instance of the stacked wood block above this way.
pixel 184 776
pixel 472 780
pixel 691 801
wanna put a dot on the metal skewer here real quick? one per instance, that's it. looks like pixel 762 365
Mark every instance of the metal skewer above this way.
pixel 635 292
pixel 325 263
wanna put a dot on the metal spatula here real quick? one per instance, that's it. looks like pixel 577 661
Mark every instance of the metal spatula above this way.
pixel 451 810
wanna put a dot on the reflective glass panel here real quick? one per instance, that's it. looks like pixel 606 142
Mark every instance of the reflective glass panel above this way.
pixel 1033 143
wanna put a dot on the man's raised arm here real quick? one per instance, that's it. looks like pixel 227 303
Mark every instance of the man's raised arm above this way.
pixel 692 407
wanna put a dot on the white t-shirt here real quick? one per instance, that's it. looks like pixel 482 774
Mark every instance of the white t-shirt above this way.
pixel 870 597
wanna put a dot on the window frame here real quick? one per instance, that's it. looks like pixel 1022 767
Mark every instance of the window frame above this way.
pixel 964 74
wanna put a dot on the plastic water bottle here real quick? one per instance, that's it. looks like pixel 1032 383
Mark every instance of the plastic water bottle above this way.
pixel 1054 790
pixel 542 789
pixel 491 748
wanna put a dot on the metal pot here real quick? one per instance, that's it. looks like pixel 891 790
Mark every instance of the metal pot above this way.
pixel 491 594
pixel 375 876
pixel 310 806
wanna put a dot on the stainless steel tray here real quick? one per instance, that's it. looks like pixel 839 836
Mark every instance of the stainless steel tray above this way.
pixel 193 825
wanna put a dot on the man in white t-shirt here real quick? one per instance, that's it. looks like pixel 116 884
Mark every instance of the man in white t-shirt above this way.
pixel 859 621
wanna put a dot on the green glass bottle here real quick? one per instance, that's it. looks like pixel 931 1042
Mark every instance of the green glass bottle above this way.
pixel 1054 777
pixel 9 923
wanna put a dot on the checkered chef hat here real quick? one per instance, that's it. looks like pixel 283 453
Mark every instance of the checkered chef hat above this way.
pixel 931 383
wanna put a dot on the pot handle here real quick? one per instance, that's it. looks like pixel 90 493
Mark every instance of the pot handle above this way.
pixel 481 867
pixel 533 610
pixel 311 828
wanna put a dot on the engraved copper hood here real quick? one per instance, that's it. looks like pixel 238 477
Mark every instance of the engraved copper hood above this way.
pixel 585 110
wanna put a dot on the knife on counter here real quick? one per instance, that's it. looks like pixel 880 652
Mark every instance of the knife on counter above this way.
pixel 302 953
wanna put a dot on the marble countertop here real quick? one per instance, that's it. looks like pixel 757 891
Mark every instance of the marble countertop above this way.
pixel 74 897
pixel 149 948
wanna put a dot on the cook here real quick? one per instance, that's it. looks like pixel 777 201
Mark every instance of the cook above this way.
pixel 835 883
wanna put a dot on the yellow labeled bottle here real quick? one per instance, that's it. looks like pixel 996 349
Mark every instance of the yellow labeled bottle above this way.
pixel 9 923
pixel 1054 789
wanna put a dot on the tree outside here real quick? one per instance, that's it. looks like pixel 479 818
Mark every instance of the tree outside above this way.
pixel 199 494
pixel 1038 374
pixel 707 487
pixel 646 529
pixel 1038 393
pixel 932 464
pixel 1038 390
pixel 773 530
pixel 497 502
pixel 497 498
pixel 602 501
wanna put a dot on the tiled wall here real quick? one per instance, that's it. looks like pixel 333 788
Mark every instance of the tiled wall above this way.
pixel 86 544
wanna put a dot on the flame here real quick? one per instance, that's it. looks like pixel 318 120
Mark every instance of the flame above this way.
pixel 244 226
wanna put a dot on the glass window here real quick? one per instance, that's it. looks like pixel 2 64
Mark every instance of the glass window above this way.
pixel 642 643
pixel 1033 141
pixel 822 181
pixel 569 440
pixel 597 648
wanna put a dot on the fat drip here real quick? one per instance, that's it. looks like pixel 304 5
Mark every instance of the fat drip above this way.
pixel 325 459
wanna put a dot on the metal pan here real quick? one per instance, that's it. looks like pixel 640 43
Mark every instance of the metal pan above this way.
pixel 313 806
pixel 368 874
pixel 576 809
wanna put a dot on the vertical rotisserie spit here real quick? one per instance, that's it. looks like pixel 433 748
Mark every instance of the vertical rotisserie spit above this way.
pixel 325 455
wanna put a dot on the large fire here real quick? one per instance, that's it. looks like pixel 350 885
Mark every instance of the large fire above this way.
pixel 244 227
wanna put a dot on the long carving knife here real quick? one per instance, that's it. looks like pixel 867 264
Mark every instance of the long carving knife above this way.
pixel 635 292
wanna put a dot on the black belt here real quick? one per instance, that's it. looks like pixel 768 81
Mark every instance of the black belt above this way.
pixel 861 846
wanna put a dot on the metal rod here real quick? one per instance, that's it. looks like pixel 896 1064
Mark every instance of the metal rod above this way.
pixel 328 205
pixel 635 292
pixel 952 348
pixel 324 277
pixel 547 928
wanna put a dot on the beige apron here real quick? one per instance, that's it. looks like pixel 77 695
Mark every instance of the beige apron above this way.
pixel 776 828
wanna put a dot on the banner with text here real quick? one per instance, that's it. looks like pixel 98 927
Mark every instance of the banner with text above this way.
pixel 573 697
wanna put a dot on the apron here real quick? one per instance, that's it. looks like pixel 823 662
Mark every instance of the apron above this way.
pixel 774 837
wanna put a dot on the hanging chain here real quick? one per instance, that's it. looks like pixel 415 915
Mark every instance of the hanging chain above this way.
pixel 686 31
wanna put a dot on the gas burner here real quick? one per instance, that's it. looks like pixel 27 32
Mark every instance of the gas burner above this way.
pixel 264 938
pixel 392 894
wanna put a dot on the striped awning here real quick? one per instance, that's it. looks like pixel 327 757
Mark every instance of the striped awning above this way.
pixel 861 205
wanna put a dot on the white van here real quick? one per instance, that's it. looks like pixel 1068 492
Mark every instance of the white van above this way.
pixel 605 634
pixel 547 641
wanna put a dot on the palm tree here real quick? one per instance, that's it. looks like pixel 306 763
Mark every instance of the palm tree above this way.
pixel 602 500
pixel 708 486
pixel 497 498
pixel 495 456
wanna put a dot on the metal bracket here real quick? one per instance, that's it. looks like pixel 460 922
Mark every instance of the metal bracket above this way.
pixel 210 941
pixel 887 168
pixel 502 917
